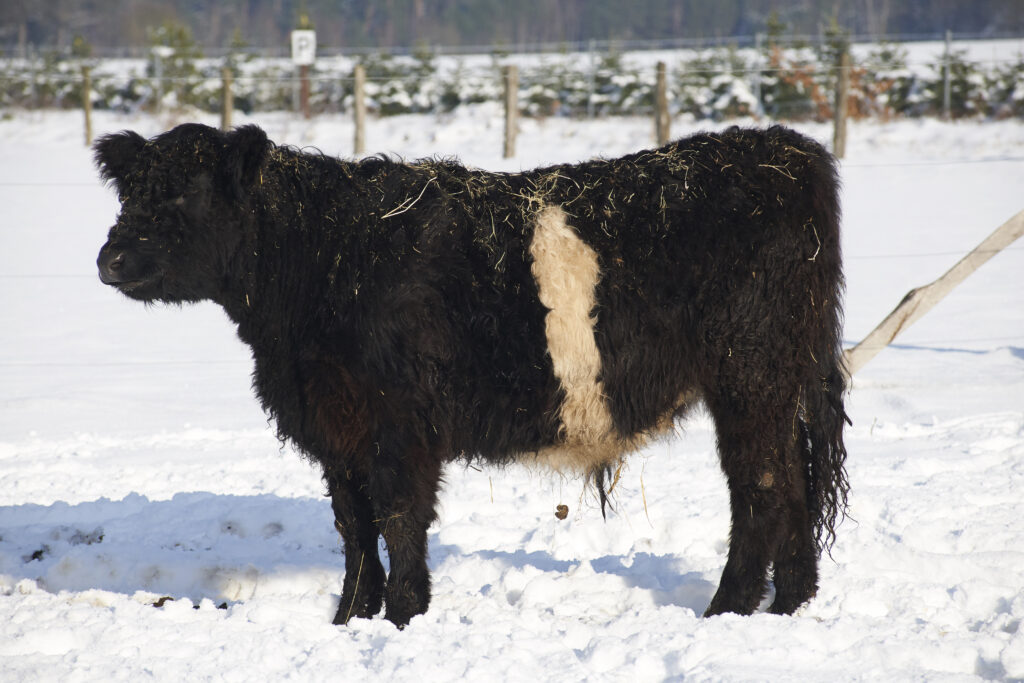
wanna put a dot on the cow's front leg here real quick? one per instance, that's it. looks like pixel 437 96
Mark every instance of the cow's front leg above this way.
pixel 405 501
pixel 363 590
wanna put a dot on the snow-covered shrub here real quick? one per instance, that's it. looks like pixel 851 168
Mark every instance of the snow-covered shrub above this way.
pixel 887 85
pixel 968 95
pixel 1006 85
pixel 715 84
pixel 792 87
pixel 176 73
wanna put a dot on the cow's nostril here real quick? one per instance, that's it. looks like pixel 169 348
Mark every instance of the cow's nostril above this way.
pixel 112 266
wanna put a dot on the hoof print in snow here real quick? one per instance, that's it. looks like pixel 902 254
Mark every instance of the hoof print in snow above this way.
pixel 37 555
pixel 86 538
pixel 232 528
pixel 272 529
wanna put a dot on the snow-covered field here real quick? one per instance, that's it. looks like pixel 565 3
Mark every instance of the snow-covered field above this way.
pixel 135 464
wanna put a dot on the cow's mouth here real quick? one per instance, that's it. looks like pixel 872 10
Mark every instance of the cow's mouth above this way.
pixel 143 289
pixel 128 285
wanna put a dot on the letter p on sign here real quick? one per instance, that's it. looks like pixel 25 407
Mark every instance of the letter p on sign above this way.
pixel 303 47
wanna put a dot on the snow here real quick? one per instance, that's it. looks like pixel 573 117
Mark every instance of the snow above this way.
pixel 135 465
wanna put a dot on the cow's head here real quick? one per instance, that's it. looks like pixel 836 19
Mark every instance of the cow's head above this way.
pixel 183 196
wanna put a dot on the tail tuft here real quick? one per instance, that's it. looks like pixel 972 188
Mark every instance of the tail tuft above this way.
pixel 827 484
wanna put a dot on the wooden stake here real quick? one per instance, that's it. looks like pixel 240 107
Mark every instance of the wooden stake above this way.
pixel 947 79
pixel 87 102
pixel 661 119
pixel 919 301
pixel 227 104
pixel 359 108
pixel 842 99
pixel 304 90
pixel 511 109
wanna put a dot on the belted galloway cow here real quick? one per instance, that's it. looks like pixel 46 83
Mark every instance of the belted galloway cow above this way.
pixel 405 315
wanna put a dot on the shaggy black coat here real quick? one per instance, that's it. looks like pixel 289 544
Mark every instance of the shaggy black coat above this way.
pixel 395 318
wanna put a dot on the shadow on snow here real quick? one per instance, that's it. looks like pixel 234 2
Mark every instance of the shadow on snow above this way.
pixel 222 547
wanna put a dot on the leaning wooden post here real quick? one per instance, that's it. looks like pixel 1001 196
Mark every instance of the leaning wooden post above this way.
pixel 919 301
pixel 87 102
pixel 661 120
pixel 359 108
pixel 227 105
pixel 511 109
pixel 842 103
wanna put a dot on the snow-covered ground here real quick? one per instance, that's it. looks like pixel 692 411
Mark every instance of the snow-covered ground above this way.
pixel 135 464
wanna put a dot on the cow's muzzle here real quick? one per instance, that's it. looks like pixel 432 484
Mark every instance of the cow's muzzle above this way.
pixel 119 268
pixel 111 264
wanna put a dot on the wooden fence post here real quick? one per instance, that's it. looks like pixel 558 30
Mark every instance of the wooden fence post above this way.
pixel 842 103
pixel 87 102
pixel 947 79
pixel 160 53
pixel 591 78
pixel 158 71
pixel 511 109
pixel 359 108
pixel 304 90
pixel 756 86
pixel 919 301
pixel 661 119
pixel 227 104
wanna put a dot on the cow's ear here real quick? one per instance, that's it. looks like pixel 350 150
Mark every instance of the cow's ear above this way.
pixel 245 151
pixel 117 156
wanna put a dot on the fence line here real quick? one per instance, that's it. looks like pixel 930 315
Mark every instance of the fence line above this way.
pixel 550 47
pixel 759 69
pixel 332 74
pixel 809 97
pixel 72 73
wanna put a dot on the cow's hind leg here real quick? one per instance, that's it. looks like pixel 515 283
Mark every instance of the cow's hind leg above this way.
pixel 795 571
pixel 363 589
pixel 404 503
pixel 757 450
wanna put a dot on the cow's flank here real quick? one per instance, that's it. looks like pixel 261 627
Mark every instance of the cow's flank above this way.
pixel 404 315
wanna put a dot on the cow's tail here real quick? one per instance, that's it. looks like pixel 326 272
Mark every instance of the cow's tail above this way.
pixel 822 423
pixel 823 416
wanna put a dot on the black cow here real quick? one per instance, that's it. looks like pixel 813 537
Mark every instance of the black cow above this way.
pixel 404 315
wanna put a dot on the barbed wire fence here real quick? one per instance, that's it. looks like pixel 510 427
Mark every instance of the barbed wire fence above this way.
pixel 788 78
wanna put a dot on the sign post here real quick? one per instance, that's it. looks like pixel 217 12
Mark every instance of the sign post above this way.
pixel 303 56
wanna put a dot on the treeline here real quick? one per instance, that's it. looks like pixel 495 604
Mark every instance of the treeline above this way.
pixel 56 24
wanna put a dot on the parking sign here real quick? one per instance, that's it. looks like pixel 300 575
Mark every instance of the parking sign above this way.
pixel 303 47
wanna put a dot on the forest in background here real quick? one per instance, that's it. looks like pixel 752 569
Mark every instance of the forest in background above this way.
pixel 341 24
